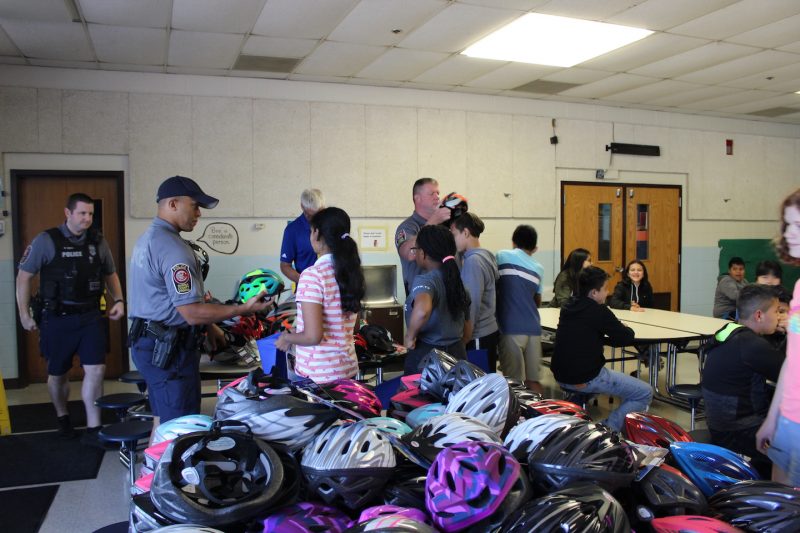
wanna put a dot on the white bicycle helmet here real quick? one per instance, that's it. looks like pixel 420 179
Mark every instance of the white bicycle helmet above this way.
pixel 284 419
pixel 491 400
pixel 172 429
pixel 526 435
pixel 348 465
pixel 427 440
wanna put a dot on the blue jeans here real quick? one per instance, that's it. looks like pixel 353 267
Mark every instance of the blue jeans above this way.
pixel 635 394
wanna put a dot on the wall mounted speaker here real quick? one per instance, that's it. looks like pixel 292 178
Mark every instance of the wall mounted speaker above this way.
pixel 633 149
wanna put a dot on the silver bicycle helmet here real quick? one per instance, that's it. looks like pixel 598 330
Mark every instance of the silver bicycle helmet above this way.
pixel 490 400
pixel 433 368
pixel 462 374
pixel 526 435
pixel 427 440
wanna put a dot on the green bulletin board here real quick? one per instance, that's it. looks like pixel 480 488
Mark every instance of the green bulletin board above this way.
pixel 754 251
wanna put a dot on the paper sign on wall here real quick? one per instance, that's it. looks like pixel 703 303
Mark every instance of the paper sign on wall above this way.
pixel 372 239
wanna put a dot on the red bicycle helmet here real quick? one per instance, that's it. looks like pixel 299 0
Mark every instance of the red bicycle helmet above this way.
pixel 562 407
pixel 691 524
pixel 653 430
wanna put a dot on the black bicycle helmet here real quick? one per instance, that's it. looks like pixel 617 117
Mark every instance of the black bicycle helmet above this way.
pixel 456 203
pixel 759 506
pixel 666 491
pixel 433 368
pixel 379 340
pixel 428 439
pixel 406 493
pixel 143 515
pixel 462 374
pixel 581 507
pixel 348 465
pixel 582 452
pixel 489 399
pixel 217 478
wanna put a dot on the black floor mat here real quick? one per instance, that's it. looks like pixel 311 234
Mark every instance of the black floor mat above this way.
pixel 42 416
pixel 24 510
pixel 38 458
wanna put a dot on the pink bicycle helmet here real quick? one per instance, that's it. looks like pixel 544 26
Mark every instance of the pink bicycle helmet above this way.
pixel 354 396
pixel 393 524
pixel 307 517
pixel 653 430
pixel 468 484
pixel 691 524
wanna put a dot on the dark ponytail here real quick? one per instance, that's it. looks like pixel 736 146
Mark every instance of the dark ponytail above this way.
pixel 437 242
pixel 333 225
pixel 573 266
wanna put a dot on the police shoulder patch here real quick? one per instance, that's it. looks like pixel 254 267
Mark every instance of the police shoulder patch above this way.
pixel 25 255
pixel 181 278
pixel 400 237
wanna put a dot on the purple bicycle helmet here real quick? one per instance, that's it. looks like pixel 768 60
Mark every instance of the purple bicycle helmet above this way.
pixel 392 524
pixel 666 491
pixel 759 506
pixel 384 510
pixel 307 517
pixel 468 483
pixel 580 507
pixel 348 465
pixel 355 396
pixel 711 467
pixel 582 452
pixel 489 399
pixel 433 368
pixel 462 374
pixel 427 440
pixel 420 415
pixel 526 435
pixel 282 419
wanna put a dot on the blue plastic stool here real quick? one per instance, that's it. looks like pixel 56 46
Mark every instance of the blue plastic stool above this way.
pixel 479 358
pixel 386 390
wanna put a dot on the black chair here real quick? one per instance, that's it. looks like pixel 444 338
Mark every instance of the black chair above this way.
pixel 139 410
pixel 701 435
pixel 120 402
pixel 691 393
pixel 128 434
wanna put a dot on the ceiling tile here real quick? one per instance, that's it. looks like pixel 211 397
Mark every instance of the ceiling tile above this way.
pixel 203 50
pixel 456 27
pixel 339 59
pixel 197 71
pixel 743 66
pixel 694 95
pixel 458 69
pixel 721 102
pixel 304 19
pixel 655 90
pixel 146 13
pixel 737 18
pixel 133 68
pixel 427 86
pixel 665 14
pixel 652 48
pixel 377 83
pixel 520 5
pixel 218 16
pixel 577 75
pixel 50 40
pixel 477 90
pixel 7 47
pixel 511 75
pixel 319 79
pixel 784 100
pixel 372 21
pixel 612 84
pixel 49 10
pixel 58 63
pixel 781 75
pixel 401 65
pixel 258 74
pixel 773 35
pixel 589 10
pixel 793 47
pixel 695 59
pixel 258 45
pixel 12 60
pixel 118 44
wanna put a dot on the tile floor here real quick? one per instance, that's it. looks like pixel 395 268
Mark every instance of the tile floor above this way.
pixel 85 506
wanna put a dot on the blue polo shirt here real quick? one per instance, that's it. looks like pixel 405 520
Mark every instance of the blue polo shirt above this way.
pixel 520 282
pixel 296 247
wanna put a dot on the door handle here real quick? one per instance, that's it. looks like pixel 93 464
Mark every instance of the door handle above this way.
pixel 619 269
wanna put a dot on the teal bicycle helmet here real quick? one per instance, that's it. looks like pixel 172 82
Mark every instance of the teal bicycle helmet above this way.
pixel 257 280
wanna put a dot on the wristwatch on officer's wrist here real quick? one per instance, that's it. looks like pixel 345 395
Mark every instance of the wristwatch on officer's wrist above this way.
pixel 118 300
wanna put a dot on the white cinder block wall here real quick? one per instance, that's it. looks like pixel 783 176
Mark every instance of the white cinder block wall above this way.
pixel 256 144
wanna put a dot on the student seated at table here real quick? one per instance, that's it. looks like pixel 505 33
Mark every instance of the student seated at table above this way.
pixel 564 285
pixel 584 326
pixel 728 288
pixel 634 291
pixel 778 339
pixel 769 272
pixel 738 365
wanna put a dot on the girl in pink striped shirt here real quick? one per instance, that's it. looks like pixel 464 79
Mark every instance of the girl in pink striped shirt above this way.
pixel 328 299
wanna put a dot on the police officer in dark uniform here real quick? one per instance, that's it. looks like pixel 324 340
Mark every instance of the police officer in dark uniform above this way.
pixel 75 264
pixel 171 318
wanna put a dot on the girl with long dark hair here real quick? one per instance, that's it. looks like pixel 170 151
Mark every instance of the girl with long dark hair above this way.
pixel 438 304
pixel 329 295
pixel 566 283
pixel 634 291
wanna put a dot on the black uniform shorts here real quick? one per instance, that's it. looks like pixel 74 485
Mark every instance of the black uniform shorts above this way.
pixel 62 336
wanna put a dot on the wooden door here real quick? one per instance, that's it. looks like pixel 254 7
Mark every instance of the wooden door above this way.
pixel 653 236
pixel 622 222
pixel 39 198
pixel 592 218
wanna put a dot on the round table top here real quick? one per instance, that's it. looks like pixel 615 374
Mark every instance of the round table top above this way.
pixel 119 400
pixel 126 431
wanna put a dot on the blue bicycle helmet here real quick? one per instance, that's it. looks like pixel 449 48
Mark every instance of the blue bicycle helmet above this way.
pixel 387 424
pixel 420 415
pixel 257 280
pixel 711 467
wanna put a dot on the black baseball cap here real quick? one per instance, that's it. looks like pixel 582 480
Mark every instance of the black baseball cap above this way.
pixel 183 186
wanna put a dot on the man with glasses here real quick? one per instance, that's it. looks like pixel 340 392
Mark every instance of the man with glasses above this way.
pixel 426 211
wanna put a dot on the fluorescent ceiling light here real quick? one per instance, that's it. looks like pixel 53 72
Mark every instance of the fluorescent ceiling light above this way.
pixel 555 41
